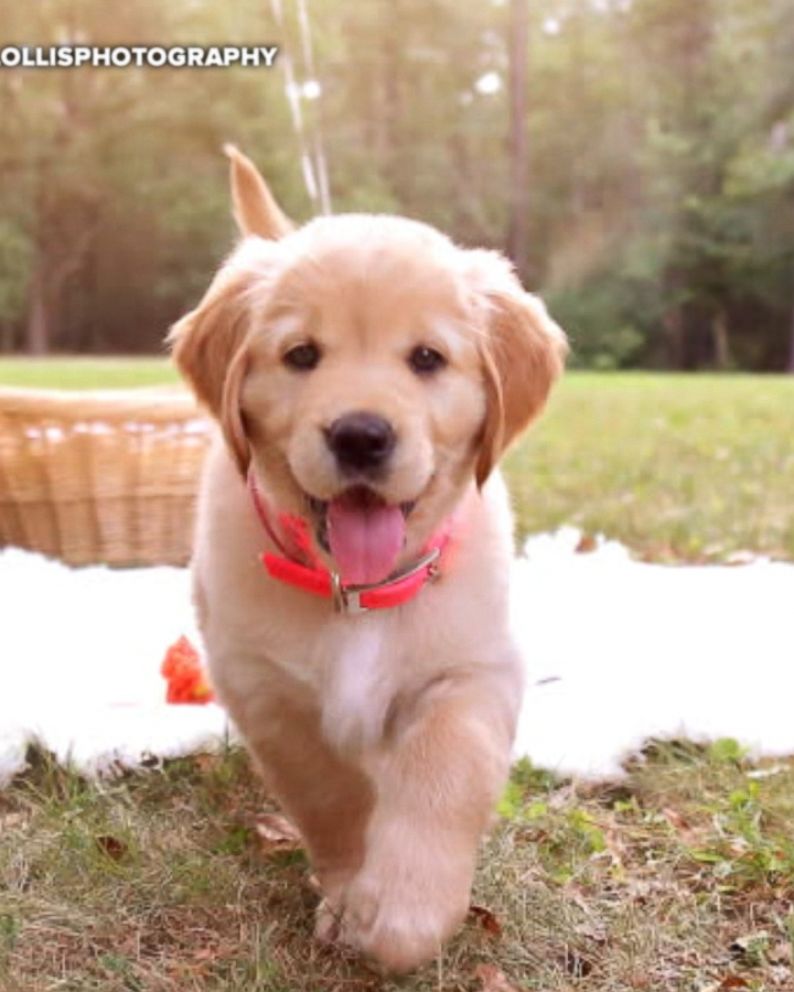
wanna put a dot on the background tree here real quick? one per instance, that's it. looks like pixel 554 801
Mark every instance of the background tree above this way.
pixel 659 203
pixel 518 47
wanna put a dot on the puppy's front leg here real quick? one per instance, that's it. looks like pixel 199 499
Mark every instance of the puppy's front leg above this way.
pixel 328 797
pixel 437 779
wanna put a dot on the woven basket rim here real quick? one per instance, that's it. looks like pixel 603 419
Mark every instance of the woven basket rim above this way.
pixel 107 475
pixel 148 402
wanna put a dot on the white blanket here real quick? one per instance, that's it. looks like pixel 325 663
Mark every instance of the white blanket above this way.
pixel 617 651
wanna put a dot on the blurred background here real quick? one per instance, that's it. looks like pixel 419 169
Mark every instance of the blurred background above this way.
pixel 634 157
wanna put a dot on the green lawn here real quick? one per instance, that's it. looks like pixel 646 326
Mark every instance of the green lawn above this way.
pixel 86 373
pixel 678 467
pixel 675 466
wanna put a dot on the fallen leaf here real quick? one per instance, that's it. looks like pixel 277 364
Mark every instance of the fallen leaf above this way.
pixel 687 832
pixel 493 979
pixel 114 848
pixel 10 821
pixel 276 834
pixel 733 982
pixel 675 819
pixel 587 544
pixel 487 920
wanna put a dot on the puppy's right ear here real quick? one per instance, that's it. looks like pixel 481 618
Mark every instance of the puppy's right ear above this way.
pixel 255 209
pixel 209 343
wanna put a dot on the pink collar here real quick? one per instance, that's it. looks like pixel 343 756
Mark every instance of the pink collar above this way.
pixel 309 573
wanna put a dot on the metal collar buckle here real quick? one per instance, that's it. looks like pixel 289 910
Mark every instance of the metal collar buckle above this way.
pixel 347 599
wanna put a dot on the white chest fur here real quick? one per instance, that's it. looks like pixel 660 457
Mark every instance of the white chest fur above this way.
pixel 358 676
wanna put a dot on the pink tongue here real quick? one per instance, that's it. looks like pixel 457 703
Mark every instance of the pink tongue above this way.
pixel 366 539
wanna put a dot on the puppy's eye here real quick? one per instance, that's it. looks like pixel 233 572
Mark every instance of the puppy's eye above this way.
pixel 426 361
pixel 303 357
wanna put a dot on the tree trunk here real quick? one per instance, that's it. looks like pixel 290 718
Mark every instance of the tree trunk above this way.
pixel 518 229
pixel 790 365
pixel 47 285
pixel 38 331
pixel 673 324
pixel 721 344
pixel 6 337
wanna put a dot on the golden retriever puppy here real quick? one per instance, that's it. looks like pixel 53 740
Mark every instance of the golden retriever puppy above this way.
pixel 354 543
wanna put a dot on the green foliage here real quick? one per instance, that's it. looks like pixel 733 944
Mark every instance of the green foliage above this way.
pixel 526 781
pixel 727 749
pixel 512 801
pixel 531 779
pixel 603 330
pixel 747 851
pixel 237 838
pixel 662 162
pixel 586 831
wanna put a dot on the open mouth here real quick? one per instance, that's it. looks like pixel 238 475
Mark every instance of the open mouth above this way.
pixel 362 532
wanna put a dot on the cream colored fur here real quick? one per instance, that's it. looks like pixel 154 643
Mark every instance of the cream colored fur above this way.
pixel 386 736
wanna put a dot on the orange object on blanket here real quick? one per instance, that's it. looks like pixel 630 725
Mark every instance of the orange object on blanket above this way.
pixel 181 668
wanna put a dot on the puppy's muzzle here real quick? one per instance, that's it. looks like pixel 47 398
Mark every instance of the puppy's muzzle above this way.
pixel 362 442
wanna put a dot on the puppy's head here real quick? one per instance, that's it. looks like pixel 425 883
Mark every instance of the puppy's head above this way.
pixel 367 369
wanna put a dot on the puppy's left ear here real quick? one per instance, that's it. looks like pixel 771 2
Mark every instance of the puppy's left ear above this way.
pixel 523 352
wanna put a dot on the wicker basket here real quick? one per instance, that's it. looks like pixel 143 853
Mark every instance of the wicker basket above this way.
pixel 100 476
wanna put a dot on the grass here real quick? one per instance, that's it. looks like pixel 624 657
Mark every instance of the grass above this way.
pixel 677 467
pixel 86 373
pixel 681 877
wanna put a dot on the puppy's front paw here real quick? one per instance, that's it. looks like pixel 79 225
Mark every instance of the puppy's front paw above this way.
pixel 327 923
pixel 399 919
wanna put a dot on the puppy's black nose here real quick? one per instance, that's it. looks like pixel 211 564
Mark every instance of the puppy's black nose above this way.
pixel 361 441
